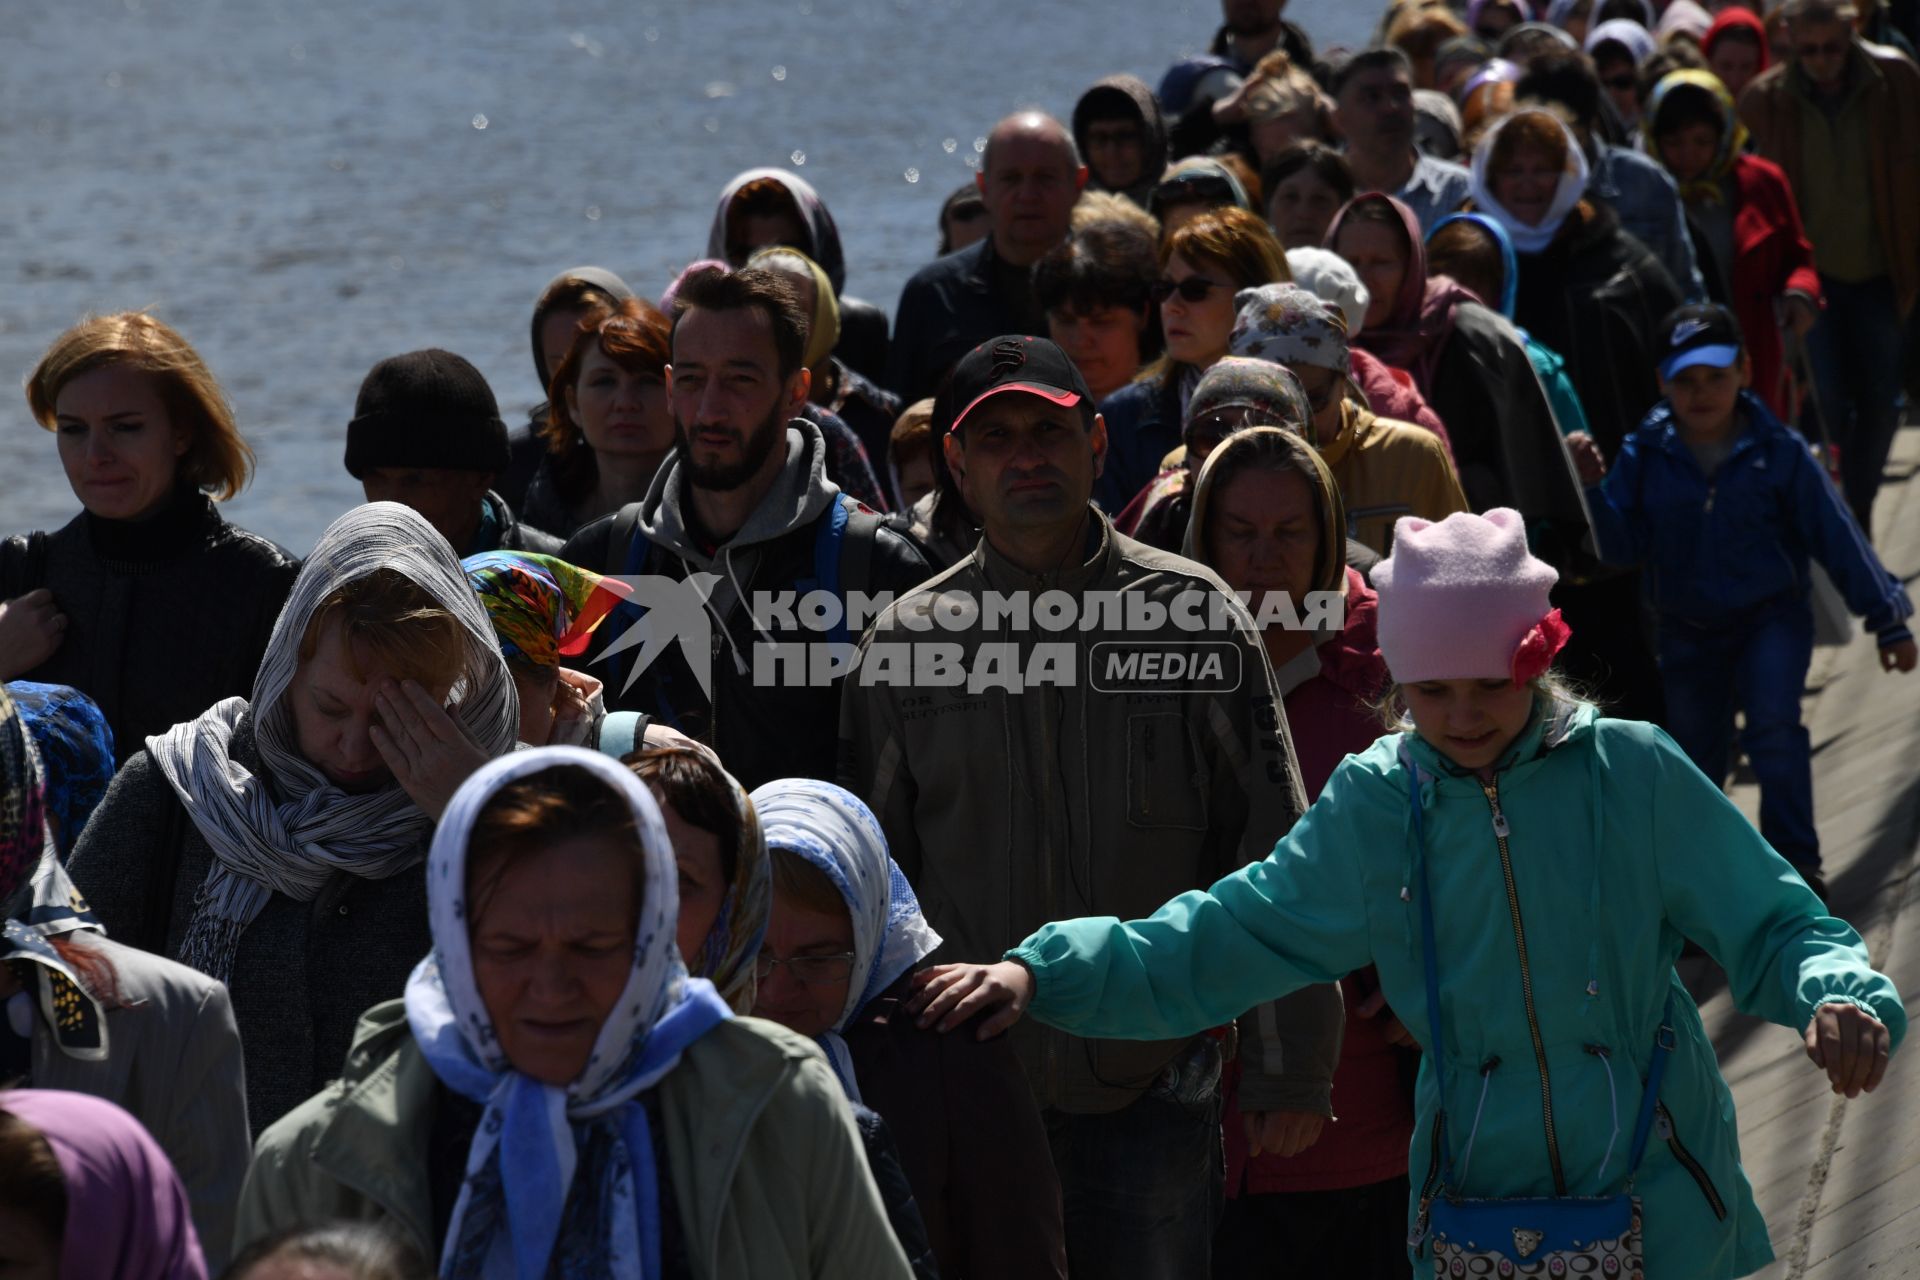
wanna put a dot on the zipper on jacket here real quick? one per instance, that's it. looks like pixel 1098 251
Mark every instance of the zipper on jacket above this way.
pixel 1417 1238
pixel 1500 832
pixel 1670 1133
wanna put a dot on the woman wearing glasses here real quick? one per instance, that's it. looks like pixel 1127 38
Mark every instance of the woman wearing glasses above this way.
pixel 1202 265
pixel 845 938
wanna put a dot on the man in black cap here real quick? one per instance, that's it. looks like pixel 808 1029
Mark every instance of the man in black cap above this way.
pixel 1036 757
pixel 426 433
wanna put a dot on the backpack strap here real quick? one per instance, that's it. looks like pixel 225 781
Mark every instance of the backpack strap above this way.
pixel 842 564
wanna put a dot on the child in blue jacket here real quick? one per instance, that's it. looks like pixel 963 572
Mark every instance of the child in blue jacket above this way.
pixel 1725 505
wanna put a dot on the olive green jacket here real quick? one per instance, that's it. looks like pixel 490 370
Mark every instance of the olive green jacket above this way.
pixel 766 1165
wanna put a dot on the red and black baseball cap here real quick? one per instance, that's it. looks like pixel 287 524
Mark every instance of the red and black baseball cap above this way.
pixel 1013 362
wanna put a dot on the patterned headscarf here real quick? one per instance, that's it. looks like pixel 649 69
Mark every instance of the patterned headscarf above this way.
pixel 541 607
pixel 38 902
pixel 23 800
pixel 1288 325
pixel 559 1180
pixel 290 830
pixel 834 831
pixel 76 753
pixel 1733 134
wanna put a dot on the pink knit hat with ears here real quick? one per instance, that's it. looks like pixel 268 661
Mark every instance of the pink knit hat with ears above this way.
pixel 1463 600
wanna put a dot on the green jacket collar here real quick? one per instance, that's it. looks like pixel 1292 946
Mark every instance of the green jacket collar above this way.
pixel 1550 728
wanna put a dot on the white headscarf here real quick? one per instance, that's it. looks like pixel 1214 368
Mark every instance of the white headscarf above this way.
pixel 557 1177
pixel 830 828
pixel 1529 238
pixel 288 829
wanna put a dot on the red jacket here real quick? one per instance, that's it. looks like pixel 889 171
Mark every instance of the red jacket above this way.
pixel 1771 254
pixel 1331 718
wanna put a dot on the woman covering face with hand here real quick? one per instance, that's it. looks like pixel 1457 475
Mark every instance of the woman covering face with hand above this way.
pixel 555 1095
pixel 275 842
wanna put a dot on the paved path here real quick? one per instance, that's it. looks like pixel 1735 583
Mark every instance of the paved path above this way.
pixel 1839 1181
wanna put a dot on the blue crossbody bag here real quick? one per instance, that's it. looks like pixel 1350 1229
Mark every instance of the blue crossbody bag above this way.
pixel 1524 1236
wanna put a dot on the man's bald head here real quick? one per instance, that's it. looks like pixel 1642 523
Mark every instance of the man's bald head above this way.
pixel 1030 175
pixel 1037 127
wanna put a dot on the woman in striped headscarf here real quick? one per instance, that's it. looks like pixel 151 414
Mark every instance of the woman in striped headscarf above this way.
pixel 275 842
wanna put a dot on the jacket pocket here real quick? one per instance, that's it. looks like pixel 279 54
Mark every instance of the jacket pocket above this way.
pixel 1166 786
pixel 1669 1133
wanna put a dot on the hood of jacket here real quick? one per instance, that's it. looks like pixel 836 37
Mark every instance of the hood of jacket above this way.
pixel 800 493
pixel 1133 93
pixel 824 247
pixel 1329 564
pixel 600 278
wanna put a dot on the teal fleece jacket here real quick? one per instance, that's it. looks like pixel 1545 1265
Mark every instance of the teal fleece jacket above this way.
pixel 1620 849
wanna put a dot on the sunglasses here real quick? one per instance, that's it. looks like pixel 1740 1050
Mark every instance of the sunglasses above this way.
pixel 1624 81
pixel 1192 289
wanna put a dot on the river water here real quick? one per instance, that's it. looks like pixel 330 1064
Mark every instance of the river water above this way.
pixel 303 189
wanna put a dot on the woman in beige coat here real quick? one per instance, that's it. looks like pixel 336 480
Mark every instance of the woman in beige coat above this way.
pixel 87 1015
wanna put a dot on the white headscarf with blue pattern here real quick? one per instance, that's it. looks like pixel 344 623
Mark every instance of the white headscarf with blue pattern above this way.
pixel 559 1181
pixel 830 828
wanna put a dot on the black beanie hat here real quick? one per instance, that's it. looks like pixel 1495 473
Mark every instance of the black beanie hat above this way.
pixel 426 409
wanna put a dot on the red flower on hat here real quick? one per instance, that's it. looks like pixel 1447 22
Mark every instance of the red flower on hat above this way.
pixel 1538 647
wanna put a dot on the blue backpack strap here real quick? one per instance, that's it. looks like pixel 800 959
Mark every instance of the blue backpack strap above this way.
pixel 1663 1041
pixel 1430 955
pixel 829 536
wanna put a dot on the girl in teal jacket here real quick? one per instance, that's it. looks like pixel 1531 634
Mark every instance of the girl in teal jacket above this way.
pixel 1567 855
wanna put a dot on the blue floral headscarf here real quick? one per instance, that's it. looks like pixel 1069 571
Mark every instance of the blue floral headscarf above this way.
pixel 834 831
pixel 76 753
pixel 559 1181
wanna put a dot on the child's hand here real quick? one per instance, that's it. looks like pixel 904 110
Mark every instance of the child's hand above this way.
pixel 1903 656
pixel 1851 1045
pixel 1587 458
pixel 952 993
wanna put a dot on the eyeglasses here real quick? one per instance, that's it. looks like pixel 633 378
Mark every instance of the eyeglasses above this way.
pixel 810 971
pixel 1831 49
pixel 1623 82
pixel 1192 289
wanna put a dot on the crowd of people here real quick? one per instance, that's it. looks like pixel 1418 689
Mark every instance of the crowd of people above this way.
pixel 504 888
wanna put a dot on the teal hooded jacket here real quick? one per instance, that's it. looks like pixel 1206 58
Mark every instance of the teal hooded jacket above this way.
pixel 1619 849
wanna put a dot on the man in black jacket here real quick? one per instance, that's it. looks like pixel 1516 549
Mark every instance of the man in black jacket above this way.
pixel 743 517
pixel 1030 176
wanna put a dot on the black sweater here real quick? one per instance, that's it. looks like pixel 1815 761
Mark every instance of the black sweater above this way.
pixel 164 617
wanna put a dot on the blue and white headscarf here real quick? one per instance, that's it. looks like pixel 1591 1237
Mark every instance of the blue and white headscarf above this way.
pixel 830 828
pixel 557 1177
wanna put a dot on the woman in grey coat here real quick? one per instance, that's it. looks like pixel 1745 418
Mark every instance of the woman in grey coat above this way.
pixel 275 843
pixel 88 1015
